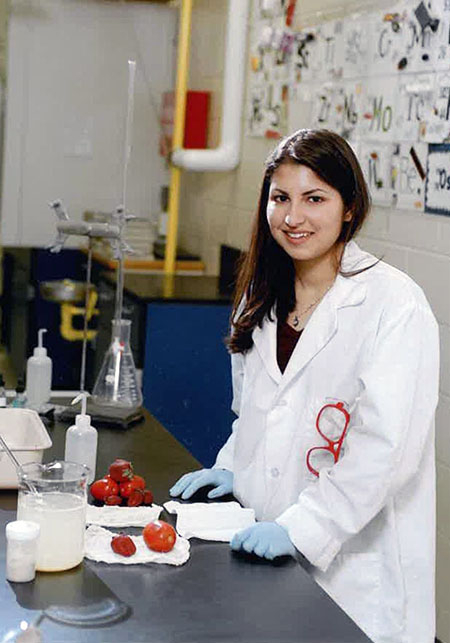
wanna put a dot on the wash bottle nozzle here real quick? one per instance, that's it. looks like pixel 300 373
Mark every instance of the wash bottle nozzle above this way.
pixel 40 349
pixel 82 419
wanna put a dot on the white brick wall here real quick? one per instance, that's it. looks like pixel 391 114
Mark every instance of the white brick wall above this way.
pixel 218 208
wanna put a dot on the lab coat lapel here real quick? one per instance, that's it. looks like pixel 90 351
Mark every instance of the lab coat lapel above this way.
pixel 320 328
pixel 323 324
pixel 265 340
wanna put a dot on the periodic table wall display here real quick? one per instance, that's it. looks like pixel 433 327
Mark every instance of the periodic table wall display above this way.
pixel 380 79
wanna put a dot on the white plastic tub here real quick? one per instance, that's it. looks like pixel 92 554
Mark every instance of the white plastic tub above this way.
pixel 26 436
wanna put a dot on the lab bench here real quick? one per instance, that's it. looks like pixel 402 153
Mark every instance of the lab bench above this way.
pixel 216 596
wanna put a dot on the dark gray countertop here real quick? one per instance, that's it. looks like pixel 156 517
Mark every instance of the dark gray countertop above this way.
pixel 216 597
pixel 178 288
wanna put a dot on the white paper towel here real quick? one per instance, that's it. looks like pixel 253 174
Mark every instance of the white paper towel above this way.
pixel 210 521
pixel 97 547
pixel 113 516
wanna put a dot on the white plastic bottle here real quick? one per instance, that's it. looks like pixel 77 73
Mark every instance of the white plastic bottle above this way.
pixel 2 392
pixel 39 375
pixel 21 550
pixel 81 440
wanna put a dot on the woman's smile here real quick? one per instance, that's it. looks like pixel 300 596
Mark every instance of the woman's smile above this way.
pixel 298 238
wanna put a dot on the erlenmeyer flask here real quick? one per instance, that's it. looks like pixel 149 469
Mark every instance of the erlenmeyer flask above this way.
pixel 117 383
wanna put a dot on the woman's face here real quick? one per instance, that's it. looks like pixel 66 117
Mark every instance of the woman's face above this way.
pixel 304 213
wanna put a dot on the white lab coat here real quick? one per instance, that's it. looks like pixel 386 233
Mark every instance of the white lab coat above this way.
pixel 367 524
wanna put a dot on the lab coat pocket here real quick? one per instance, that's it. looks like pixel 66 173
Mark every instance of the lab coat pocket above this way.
pixel 353 581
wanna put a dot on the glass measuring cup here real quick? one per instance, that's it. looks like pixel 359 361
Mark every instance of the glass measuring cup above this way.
pixel 58 505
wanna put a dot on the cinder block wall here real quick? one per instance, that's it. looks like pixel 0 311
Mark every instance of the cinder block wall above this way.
pixel 217 208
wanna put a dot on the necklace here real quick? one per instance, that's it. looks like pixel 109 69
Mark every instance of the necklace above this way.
pixel 297 316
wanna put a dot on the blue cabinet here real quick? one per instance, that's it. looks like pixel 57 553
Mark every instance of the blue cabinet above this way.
pixel 187 374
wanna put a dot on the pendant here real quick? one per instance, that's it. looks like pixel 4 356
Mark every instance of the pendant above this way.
pixel 296 321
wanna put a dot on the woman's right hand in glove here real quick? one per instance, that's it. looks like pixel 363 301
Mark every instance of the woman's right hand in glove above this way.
pixel 188 484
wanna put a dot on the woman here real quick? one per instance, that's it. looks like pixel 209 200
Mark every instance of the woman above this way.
pixel 335 361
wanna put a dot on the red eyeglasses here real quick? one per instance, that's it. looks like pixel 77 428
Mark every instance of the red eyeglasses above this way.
pixel 331 423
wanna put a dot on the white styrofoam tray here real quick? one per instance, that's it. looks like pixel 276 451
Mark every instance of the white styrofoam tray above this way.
pixel 26 436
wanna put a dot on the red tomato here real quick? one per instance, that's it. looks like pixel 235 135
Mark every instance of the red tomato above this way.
pixel 159 536
pixel 123 545
pixel 113 500
pixel 148 497
pixel 135 498
pixel 139 482
pixel 104 487
pixel 126 488
pixel 121 470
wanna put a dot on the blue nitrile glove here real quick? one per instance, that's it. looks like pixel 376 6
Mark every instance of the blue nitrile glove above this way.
pixel 188 484
pixel 265 539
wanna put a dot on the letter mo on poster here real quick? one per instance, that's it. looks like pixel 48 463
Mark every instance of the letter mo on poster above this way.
pixel 381 115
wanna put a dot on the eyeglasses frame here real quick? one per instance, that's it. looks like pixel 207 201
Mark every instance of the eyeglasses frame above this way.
pixel 334 446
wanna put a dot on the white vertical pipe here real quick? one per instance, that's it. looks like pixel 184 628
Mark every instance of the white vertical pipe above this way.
pixel 227 155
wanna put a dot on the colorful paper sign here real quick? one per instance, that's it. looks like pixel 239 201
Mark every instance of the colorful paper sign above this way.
pixel 376 162
pixel 409 164
pixel 379 113
pixel 414 104
pixel 356 39
pixel 437 188
pixel 435 127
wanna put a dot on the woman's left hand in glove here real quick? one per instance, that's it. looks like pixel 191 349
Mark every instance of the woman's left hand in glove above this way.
pixel 265 539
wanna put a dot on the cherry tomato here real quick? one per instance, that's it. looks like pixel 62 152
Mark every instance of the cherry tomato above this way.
pixel 121 470
pixel 159 536
pixel 123 545
pixel 113 500
pixel 136 482
pixel 135 498
pixel 139 482
pixel 104 487
pixel 148 497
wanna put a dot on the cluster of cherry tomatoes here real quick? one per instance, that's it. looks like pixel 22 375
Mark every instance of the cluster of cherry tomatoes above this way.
pixel 121 486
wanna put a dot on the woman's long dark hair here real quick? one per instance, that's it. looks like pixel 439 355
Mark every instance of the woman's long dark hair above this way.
pixel 267 276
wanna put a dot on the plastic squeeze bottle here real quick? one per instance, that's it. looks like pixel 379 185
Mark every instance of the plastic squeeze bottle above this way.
pixel 39 375
pixel 2 392
pixel 81 439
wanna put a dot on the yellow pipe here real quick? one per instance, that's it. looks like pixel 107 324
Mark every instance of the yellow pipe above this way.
pixel 69 311
pixel 178 134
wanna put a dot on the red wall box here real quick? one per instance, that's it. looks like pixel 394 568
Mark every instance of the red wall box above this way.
pixel 196 121
pixel 196 124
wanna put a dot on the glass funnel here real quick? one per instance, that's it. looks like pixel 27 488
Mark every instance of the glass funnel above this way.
pixel 54 495
pixel 117 383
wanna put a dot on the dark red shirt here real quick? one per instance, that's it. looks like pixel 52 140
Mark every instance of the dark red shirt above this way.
pixel 287 338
